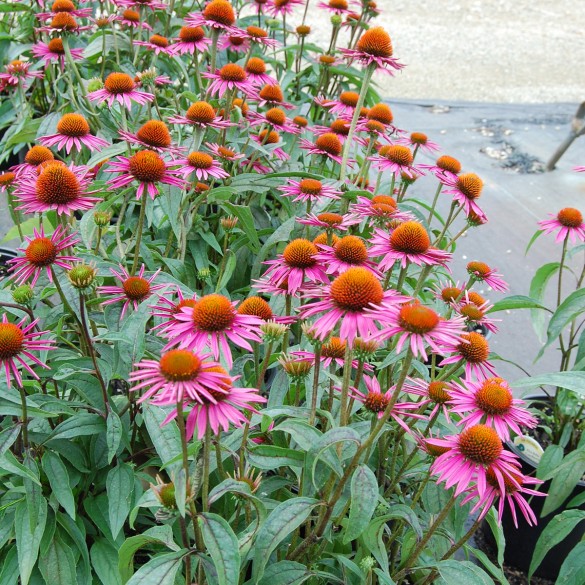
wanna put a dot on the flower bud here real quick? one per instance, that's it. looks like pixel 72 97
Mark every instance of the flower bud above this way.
pixel 102 218
pixel 229 223
pixel 303 30
pixel 364 349
pixel 367 564
pixel 94 84
pixel 23 294
pixel 203 273
pixel 273 23
pixel 165 493
pixel 272 332
pixel 295 369
pixel 82 275
pixel 336 20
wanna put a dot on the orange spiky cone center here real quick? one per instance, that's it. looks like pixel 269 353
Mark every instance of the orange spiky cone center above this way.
pixel 470 185
pixel 191 34
pixel 179 365
pixel 276 116
pixel 147 166
pixel 57 185
pixel 494 397
pixel 300 253
pixel 381 113
pixel 63 6
pixel 73 125
pixel 419 138
pixel 310 186
pixel 438 392
pixel 351 249
pixel 397 153
pixel 474 348
pixel 64 21
pixel 159 41
pixel 200 160
pixel 448 163
pixel 269 137
pixel 201 112
pixel 349 98
pixel 510 487
pixel 41 252
pixel 131 15
pixel 257 307
pixel 376 42
pixel 410 237
pixel 256 66
pixel 155 133
pixel 356 289
pixel 232 72
pixel 213 312
pixel 376 402
pixel 136 288
pixel 271 93
pixel 416 318
pixel 480 444
pixel 117 83
pixel 334 348
pixel 11 340
pixel 570 217
pixel 221 12
pixel 329 143
pixel 37 155
pixel 332 219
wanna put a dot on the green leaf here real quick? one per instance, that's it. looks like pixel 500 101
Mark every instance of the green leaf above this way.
pixel 113 434
pixel 554 532
pixel 165 439
pixel 160 570
pixel 550 460
pixel 364 499
pixel 498 533
pixel 8 437
pixel 57 566
pixel 246 223
pixel 463 572
pixel 9 570
pixel 27 541
pixel 120 488
pixel 58 478
pixel 270 457
pixel 81 424
pixel 574 381
pixel 105 153
pixel 516 302
pixel 285 573
pixel 9 463
pixel 568 310
pixel 537 290
pixel 285 518
pixel 104 560
pixel 566 476
pixel 153 536
pixel 33 490
pixel 573 568
pixel 533 239
pixel 222 545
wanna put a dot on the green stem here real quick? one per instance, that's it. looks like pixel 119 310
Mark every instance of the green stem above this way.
pixel 206 457
pixel 343 412
pixel 24 418
pixel 315 390
pixel 139 234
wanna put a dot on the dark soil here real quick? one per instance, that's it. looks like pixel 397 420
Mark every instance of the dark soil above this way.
pixel 515 576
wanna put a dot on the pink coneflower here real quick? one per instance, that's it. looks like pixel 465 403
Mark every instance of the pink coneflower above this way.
pixel 309 190
pixel 179 375
pixel 474 351
pixel 271 95
pixel 33 159
pixel 379 207
pixel 256 70
pixel 223 152
pixel 258 307
pixel 158 44
pixel 65 6
pixel 513 494
pixel 19 72
pixel 152 4
pixel 230 77
pixel 296 265
pixel 201 115
pixel 491 403
pixel 281 7
pixel 256 165
pixel 344 106
pixel 73 131
pixel 420 141
pixel 374 47
pixel 470 454
pixel 407 243
pixel 213 322
pixel 332 352
pixel 132 291
pixel 218 15
pixel 445 166
pixel 568 222
pixel 418 326
pixel 120 87
pixel 347 300
pixel 16 343
pixel 328 145
pixel 63 22
pixel 465 188
pixel 153 134
pixel 203 165
pixel 146 167
pixel 258 35
pixel 397 159
pixel 481 272
pixel 167 309
pixel 330 221
pixel 377 401
pixel 275 118
pixel 235 42
pixel 270 140
pixel 42 252
pixel 131 18
pixel 335 6
pixel 222 410
pixel 346 253
pixel 57 187
pixel 54 51
pixel 436 393
pixel 191 39
pixel 475 315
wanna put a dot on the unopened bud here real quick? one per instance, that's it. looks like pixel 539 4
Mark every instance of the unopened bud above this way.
pixel 272 331
pixel 23 294
pixel 336 20
pixel 94 84
pixel 229 223
pixel 82 275
pixel 102 218
pixel 295 369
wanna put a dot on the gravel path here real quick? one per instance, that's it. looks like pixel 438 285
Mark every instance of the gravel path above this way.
pixel 515 51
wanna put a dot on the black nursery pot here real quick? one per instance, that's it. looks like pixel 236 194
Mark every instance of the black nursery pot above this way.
pixel 5 255
pixel 521 541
